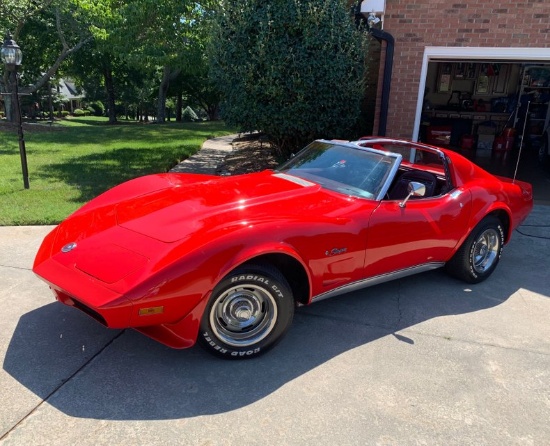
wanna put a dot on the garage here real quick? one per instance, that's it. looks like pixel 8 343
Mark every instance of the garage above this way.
pixel 493 106
pixel 461 65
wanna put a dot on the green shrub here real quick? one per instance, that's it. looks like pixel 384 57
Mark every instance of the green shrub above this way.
pixel 295 69
pixel 97 108
pixel 78 112
pixel 64 113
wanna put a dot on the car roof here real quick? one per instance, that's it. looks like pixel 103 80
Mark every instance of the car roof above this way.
pixel 360 146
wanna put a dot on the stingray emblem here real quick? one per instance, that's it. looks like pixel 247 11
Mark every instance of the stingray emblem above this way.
pixel 68 247
pixel 335 252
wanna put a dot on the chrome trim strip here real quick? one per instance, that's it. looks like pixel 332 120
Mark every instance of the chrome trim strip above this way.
pixel 389 179
pixel 377 280
pixel 294 179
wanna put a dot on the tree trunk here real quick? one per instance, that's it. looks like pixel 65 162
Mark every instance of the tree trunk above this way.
pixel 179 103
pixel 8 104
pixel 212 112
pixel 110 90
pixel 167 76
pixel 7 96
pixel 50 102
pixel 163 89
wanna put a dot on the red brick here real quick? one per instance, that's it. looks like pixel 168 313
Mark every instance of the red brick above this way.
pixel 481 23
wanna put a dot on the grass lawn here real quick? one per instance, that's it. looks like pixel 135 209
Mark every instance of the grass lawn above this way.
pixel 76 160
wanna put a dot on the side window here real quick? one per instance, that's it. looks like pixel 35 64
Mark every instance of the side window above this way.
pixel 420 166
pixel 400 188
pixel 429 159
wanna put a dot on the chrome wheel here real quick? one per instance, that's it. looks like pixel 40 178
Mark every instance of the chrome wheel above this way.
pixel 478 256
pixel 243 315
pixel 249 311
pixel 486 250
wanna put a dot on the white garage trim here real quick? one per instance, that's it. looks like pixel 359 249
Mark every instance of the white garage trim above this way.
pixel 432 53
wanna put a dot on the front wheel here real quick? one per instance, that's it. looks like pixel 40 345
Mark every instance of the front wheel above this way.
pixel 480 253
pixel 248 313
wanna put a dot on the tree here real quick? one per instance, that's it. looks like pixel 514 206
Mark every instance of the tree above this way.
pixel 290 68
pixel 197 87
pixel 163 36
pixel 114 38
pixel 49 31
pixel 93 68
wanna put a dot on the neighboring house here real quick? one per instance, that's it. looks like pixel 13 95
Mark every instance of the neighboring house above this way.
pixel 70 96
pixel 461 68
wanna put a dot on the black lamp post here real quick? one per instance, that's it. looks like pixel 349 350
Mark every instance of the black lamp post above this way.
pixel 12 57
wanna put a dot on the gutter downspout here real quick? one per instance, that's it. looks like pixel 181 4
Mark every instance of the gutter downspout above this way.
pixel 380 35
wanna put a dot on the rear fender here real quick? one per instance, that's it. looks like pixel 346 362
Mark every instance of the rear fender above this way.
pixel 501 211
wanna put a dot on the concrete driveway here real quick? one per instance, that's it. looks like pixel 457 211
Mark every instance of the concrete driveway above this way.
pixel 423 360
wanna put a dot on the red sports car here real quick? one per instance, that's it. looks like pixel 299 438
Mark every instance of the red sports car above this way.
pixel 225 260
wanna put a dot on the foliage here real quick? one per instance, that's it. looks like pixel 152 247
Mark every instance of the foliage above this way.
pixel 74 161
pixel 50 31
pixel 97 108
pixel 163 38
pixel 122 52
pixel 199 90
pixel 295 68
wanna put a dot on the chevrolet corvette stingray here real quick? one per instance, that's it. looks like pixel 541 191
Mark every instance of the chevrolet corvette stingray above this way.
pixel 224 260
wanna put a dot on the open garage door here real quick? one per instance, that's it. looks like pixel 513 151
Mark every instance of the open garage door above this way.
pixel 493 106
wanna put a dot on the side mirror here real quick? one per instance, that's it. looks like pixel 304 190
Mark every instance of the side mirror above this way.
pixel 415 190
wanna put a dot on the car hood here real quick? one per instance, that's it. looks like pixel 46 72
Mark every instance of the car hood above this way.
pixel 175 213
pixel 135 233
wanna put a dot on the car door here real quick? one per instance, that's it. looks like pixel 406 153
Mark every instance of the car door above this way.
pixel 424 231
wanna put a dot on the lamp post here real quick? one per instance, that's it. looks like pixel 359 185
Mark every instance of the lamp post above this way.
pixel 12 57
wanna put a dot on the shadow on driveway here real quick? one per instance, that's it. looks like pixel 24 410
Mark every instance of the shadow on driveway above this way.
pixel 85 370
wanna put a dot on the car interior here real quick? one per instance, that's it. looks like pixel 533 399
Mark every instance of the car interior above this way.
pixel 399 190
pixel 427 169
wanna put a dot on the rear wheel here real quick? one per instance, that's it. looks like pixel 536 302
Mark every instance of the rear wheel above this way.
pixel 248 313
pixel 480 253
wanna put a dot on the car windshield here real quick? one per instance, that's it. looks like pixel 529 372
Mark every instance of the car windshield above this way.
pixel 344 168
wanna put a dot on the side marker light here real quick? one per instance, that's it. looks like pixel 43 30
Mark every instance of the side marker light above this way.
pixel 150 311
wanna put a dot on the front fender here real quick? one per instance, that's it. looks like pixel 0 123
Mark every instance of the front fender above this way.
pixel 183 332
pixel 265 249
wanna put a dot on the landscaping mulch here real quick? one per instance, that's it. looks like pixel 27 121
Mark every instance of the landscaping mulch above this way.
pixel 251 153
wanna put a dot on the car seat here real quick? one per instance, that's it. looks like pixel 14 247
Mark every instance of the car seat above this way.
pixel 400 190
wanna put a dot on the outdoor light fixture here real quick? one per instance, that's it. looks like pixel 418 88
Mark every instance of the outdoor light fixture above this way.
pixel 12 57
pixel 11 54
pixel 375 10
pixel 372 19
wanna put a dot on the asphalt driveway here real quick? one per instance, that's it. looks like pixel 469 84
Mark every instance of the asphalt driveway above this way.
pixel 422 360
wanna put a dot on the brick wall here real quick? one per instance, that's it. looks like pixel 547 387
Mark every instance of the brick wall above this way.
pixel 416 24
